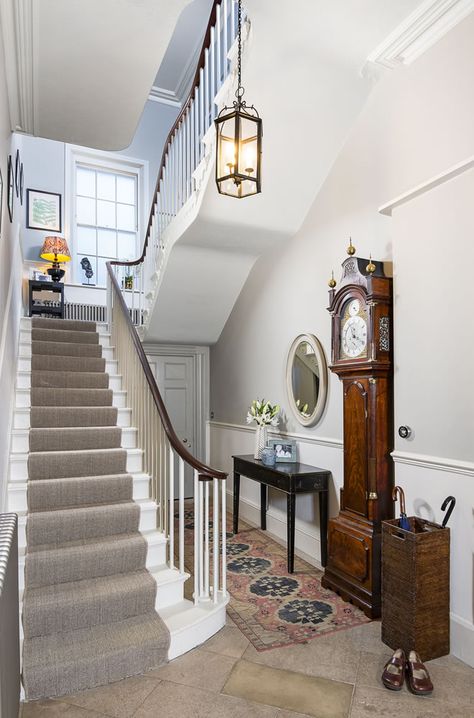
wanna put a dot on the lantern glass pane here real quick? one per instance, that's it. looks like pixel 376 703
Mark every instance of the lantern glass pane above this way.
pixel 226 156
pixel 248 147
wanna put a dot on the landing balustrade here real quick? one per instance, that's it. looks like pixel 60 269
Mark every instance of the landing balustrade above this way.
pixel 130 290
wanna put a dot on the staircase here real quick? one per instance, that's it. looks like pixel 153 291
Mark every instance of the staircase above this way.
pixel 101 596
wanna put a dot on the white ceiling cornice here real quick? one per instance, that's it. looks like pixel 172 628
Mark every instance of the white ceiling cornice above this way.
pixel 166 97
pixel 17 30
pixel 419 31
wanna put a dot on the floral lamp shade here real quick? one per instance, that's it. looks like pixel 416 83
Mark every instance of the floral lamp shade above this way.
pixel 55 249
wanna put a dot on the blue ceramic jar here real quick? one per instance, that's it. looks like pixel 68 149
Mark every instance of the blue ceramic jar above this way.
pixel 268 456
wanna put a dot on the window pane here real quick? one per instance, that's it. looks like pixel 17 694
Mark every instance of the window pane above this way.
pixel 85 182
pixel 86 265
pixel 86 240
pixel 102 270
pixel 126 217
pixel 107 242
pixel 85 210
pixel 106 186
pixel 105 213
pixel 127 248
pixel 126 189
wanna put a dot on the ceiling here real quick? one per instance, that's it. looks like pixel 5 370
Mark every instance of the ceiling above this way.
pixel 80 71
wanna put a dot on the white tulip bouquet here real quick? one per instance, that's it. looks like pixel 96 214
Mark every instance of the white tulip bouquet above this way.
pixel 263 413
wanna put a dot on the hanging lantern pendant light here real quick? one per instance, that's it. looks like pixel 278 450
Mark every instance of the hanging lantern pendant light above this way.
pixel 239 141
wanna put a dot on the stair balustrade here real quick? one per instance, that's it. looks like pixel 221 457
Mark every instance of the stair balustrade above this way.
pixel 183 151
pixel 131 286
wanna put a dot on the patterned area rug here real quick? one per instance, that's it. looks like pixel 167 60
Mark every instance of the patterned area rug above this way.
pixel 271 607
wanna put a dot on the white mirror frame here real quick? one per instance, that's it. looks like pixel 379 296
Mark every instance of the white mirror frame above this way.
pixel 315 344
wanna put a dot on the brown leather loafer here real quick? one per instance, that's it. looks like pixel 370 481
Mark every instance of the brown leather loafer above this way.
pixel 394 671
pixel 419 679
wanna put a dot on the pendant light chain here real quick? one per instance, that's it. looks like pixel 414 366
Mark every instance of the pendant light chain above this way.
pixel 240 89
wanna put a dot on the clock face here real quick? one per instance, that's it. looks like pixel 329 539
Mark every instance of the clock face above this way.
pixel 354 330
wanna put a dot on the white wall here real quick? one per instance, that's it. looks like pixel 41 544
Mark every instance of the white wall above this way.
pixel 10 284
pixel 416 124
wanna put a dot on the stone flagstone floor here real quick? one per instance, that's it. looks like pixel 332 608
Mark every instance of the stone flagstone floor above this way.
pixel 334 676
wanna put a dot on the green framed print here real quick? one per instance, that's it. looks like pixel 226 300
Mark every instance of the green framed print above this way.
pixel 43 210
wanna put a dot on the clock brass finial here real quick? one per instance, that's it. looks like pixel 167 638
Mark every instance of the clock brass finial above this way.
pixel 332 282
pixel 351 249
pixel 371 266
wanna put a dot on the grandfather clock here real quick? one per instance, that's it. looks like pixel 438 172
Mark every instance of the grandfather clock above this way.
pixel 361 311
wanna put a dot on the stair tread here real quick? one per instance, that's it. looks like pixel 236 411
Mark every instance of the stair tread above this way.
pixel 87 544
pixel 87 657
pixel 78 590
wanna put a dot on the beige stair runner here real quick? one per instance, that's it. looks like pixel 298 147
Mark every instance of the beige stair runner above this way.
pixel 88 604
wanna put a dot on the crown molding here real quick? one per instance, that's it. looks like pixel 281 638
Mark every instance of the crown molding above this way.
pixel 165 97
pixel 17 21
pixel 418 32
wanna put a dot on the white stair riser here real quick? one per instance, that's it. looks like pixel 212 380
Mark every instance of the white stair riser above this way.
pixel 169 593
pixel 188 637
pixel 156 555
pixel 17 492
pixel 147 522
pixel 21 418
pixel 23 398
pixel 20 439
pixel 19 464
pixel 101 327
pixel 25 350
pixel 24 364
pixel 24 381
pixel 25 336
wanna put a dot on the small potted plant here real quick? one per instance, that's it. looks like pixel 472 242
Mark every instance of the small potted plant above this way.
pixel 263 414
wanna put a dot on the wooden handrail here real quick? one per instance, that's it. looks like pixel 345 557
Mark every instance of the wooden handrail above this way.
pixel 205 472
pixel 200 65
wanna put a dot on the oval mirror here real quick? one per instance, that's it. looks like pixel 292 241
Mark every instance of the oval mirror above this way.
pixel 306 379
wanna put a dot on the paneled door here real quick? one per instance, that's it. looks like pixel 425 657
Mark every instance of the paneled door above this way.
pixel 175 378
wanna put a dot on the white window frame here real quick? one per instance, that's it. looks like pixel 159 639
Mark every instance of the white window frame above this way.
pixel 111 161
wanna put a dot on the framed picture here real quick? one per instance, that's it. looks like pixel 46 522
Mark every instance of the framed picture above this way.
pixel 43 210
pixel 1 200
pixel 10 189
pixel 21 183
pixel 17 173
pixel 285 449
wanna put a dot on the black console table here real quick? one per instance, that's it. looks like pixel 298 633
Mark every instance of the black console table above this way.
pixel 40 286
pixel 294 478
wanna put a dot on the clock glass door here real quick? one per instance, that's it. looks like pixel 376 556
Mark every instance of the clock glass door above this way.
pixel 353 336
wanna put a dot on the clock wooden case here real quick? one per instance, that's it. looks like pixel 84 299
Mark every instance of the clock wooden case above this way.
pixel 361 311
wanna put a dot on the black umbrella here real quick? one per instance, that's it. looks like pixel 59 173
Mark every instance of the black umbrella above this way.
pixel 452 503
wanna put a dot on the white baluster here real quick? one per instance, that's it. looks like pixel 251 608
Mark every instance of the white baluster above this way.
pixel 224 540
pixel 225 14
pixel 196 127
pixel 206 539
pixel 212 64
pixel 201 113
pixel 206 90
pixel 171 493
pixel 232 20
pixel 218 51
pixel 188 155
pixel 215 539
pixel 197 512
pixel 181 515
pixel 191 151
pixel 201 538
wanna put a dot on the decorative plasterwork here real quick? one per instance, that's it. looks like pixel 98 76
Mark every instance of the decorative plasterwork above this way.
pixel 17 21
pixel 421 29
pixel 166 97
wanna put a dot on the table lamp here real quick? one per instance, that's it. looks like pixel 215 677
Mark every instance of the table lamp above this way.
pixel 55 250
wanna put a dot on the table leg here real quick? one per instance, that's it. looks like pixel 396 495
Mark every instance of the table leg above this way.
pixel 263 507
pixel 323 525
pixel 291 502
pixel 236 502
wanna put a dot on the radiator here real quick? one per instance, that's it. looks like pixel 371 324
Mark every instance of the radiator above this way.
pixel 89 312
pixel 9 618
